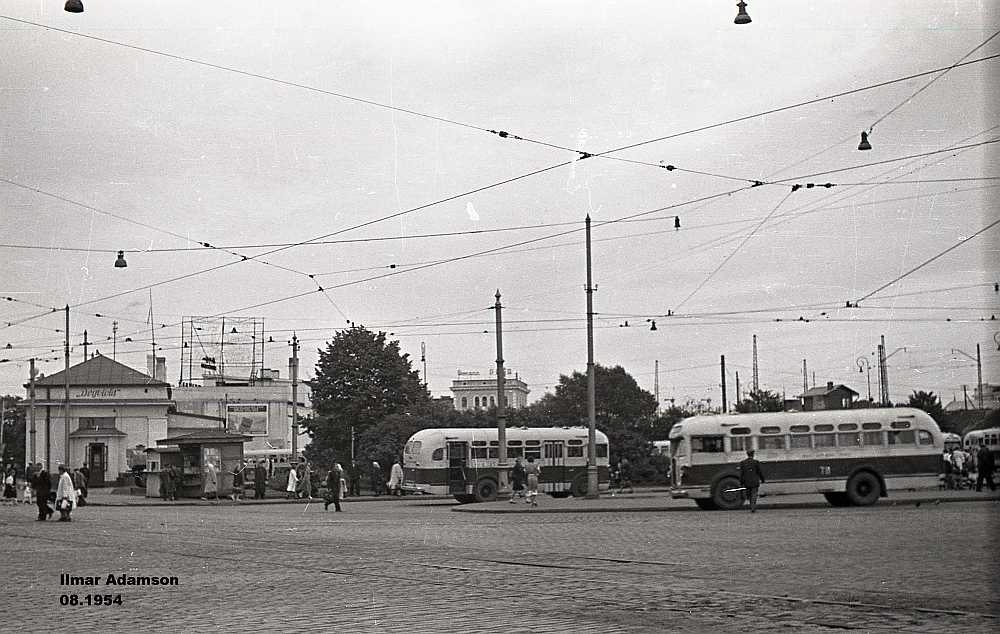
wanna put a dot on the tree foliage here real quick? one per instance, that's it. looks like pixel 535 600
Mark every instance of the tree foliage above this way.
pixel 618 399
pixel 360 380
pixel 14 414
pixel 761 401
pixel 927 401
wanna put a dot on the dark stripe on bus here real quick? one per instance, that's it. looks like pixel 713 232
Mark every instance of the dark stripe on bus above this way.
pixel 784 470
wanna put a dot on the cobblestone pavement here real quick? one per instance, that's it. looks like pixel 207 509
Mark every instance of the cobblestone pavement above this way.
pixel 414 566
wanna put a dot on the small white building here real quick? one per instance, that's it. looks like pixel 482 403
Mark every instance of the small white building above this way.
pixel 472 392
pixel 113 409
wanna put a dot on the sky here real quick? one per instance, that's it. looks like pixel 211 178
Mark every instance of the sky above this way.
pixel 155 128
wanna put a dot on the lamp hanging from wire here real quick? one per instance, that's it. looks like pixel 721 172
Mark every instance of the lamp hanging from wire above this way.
pixel 120 263
pixel 864 145
pixel 73 6
pixel 742 17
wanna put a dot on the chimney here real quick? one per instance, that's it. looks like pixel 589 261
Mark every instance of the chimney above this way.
pixel 829 385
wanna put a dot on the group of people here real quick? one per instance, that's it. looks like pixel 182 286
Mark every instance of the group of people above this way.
pixel 959 465
pixel 70 490
pixel 524 481
pixel 22 489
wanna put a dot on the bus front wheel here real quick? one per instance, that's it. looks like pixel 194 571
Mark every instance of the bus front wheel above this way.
pixel 486 490
pixel 724 497
pixel 863 489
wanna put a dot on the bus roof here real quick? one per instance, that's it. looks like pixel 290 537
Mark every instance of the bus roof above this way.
pixel 979 433
pixel 513 433
pixel 722 424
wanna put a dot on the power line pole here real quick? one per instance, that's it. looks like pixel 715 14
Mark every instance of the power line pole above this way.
pixel 883 378
pixel 756 377
pixel 114 342
pixel 501 406
pixel 66 395
pixel 656 384
pixel 592 484
pixel 805 377
pixel 294 371
pixel 979 375
pixel 423 360
pixel 724 404
pixel 737 388
pixel 31 410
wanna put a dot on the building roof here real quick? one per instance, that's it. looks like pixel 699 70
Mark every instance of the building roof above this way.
pixel 829 388
pixel 103 432
pixel 100 370
pixel 202 436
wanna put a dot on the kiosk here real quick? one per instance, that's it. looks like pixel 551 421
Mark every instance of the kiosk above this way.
pixel 190 453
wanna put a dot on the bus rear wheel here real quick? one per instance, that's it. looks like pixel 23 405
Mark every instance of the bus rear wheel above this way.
pixel 580 486
pixel 837 498
pixel 727 501
pixel 486 490
pixel 863 489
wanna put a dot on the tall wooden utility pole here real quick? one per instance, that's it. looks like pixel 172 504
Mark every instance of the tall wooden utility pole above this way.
pixel 501 405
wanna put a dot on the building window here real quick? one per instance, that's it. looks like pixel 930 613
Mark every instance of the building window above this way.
pixel 492 402
pixel 465 403
pixel 477 402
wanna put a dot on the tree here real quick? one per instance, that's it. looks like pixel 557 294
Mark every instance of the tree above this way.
pixel 360 379
pixel 928 402
pixel 12 451
pixel 761 401
pixel 618 399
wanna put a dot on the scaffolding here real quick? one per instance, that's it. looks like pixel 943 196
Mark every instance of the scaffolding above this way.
pixel 224 349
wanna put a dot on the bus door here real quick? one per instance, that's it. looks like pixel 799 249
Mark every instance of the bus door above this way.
pixel 457 455
pixel 553 467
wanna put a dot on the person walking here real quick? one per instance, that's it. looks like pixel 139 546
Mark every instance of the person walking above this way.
pixel 396 479
pixel 333 488
pixel 259 480
pixel 517 478
pixel 533 471
pixel 42 484
pixel 305 480
pixel 751 477
pixel 29 480
pixel 81 488
pixel 166 483
pixel 625 476
pixel 375 474
pixel 354 480
pixel 292 485
pixel 237 482
pixel 176 479
pixel 987 462
pixel 65 495
pixel 10 487
pixel 211 483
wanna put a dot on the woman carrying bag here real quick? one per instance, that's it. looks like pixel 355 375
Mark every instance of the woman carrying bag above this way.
pixel 65 495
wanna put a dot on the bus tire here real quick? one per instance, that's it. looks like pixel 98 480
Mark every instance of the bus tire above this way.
pixel 727 501
pixel 838 498
pixel 486 490
pixel 580 486
pixel 706 504
pixel 465 498
pixel 863 489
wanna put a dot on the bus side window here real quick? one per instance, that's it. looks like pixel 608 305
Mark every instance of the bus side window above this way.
pixel 901 437
pixel 740 443
pixel 515 452
pixel 925 437
pixel 532 449
pixel 438 454
pixel 771 442
pixel 478 453
pixel 706 444
pixel 602 450
pixel 824 440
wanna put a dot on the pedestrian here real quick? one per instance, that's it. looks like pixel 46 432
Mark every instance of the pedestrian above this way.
pixel 10 487
pixel 166 482
pixel 292 485
pixel 378 484
pixel 81 488
pixel 333 488
pixel 42 484
pixel 987 463
pixel 176 480
pixel 305 480
pixel 396 479
pixel 211 483
pixel 65 495
pixel 259 480
pixel 29 479
pixel 354 480
pixel 517 478
pixel 533 471
pixel 85 470
pixel 237 482
pixel 751 477
pixel 625 475
pixel 949 468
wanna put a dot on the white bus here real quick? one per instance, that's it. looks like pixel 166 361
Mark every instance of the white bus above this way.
pixel 852 457
pixel 979 437
pixel 463 462
pixel 951 441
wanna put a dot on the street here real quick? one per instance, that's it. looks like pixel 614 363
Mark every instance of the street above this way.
pixel 413 565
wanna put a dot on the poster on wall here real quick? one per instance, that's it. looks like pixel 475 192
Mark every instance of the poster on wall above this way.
pixel 247 418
